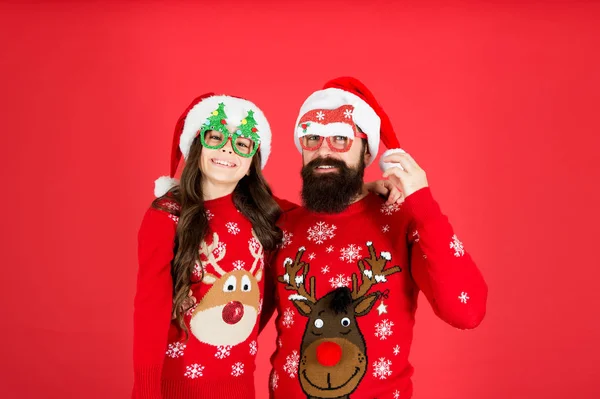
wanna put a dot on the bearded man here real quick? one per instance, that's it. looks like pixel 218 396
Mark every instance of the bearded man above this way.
pixel 348 273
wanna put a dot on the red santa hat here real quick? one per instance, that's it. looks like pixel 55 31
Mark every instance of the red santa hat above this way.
pixel 367 114
pixel 190 122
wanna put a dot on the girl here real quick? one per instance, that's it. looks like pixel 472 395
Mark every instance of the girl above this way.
pixel 202 248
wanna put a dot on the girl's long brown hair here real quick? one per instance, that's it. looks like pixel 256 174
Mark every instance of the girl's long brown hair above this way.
pixel 252 196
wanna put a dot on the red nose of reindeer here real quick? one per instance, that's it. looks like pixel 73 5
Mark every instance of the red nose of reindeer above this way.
pixel 329 353
pixel 233 312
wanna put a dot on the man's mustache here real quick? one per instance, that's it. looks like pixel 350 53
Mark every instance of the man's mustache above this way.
pixel 315 163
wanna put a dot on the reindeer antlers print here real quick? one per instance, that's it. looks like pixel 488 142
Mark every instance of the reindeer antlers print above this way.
pixel 375 274
pixel 297 283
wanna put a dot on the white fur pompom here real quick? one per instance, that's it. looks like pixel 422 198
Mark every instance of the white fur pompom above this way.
pixel 163 184
pixel 386 165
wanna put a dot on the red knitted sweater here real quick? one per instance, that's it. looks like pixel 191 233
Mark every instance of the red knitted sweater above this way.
pixel 218 359
pixel 347 287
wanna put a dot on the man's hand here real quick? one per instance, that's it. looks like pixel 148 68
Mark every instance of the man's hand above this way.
pixel 408 175
pixel 385 188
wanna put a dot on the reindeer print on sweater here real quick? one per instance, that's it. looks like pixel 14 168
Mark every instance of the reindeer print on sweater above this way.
pixel 228 312
pixel 333 354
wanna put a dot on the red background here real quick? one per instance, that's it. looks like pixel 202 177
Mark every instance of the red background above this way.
pixel 498 103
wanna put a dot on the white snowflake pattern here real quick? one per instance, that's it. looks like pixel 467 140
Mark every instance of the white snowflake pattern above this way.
pixel 385 228
pixel 253 348
pixel 463 297
pixel 288 318
pixel 325 269
pixel 382 368
pixel 175 350
pixel 172 206
pixel 232 228
pixel 416 236
pixel 260 303
pixel 384 329
pixel 396 350
pixel 274 380
pixel 174 218
pixel 223 351
pixel 389 209
pixel 287 239
pixel 237 369
pixel 311 256
pixel 457 246
pixel 321 232
pixel 339 281
pixel 279 343
pixel 320 115
pixel 194 371
pixel 239 264
pixel 291 364
pixel 209 214
pixel 396 394
pixel 350 253
pixel 329 249
pixel 347 114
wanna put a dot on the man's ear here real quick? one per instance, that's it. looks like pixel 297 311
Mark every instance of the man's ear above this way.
pixel 367 155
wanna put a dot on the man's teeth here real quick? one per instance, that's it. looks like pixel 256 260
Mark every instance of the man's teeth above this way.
pixel 325 167
pixel 224 163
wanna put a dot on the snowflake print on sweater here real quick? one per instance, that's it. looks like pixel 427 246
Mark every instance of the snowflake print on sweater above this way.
pixel 239 264
pixel 457 246
pixel 384 329
pixel 350 253
pixel 194 371
pixel 237 369
pixel 321 232
pixel 382 368
pixel 223 351
pixel 291 364
pixel 253 348
pixel 288 318
pixel 175 349
pixel 274 380
pixel 339 281
pixel 390 209
pixel 232 228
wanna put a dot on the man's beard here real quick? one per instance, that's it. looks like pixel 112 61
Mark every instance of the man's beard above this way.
pixel 331 192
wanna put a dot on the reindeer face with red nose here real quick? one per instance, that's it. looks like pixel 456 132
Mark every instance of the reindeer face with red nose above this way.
pixel 333 355
pixel 227 313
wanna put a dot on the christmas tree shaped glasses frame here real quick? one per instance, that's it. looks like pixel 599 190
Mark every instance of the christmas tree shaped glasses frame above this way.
pixel 217 122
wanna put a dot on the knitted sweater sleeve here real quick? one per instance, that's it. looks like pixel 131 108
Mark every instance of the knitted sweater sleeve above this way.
pixel 153 302
pixel 441 267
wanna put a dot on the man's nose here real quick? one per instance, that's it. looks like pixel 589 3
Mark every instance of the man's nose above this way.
pixel 324 150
